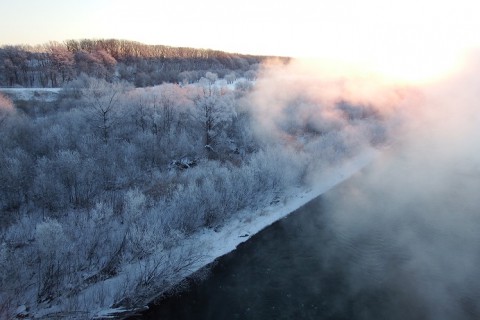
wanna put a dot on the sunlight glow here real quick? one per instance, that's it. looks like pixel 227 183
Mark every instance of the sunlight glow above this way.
pixel 408 40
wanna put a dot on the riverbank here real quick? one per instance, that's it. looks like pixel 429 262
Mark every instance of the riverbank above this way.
pixel 210 244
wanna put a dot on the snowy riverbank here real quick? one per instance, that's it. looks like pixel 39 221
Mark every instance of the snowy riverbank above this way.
pixel 214 243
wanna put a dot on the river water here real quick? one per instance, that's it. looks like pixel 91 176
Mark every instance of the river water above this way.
pixel 305 267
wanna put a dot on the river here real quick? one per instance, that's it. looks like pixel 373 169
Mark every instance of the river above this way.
pixel 305 267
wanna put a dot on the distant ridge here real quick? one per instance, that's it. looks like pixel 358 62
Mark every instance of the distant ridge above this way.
pixel 54 63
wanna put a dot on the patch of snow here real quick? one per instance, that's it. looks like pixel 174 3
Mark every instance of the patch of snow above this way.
pixel 109 313
pixel 21 311
pixel 42 94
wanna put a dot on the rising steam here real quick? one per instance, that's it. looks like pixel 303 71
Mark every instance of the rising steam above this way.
pixel 413 217
pixel 421 202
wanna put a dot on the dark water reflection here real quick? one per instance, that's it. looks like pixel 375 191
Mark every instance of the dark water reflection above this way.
pixel 303 268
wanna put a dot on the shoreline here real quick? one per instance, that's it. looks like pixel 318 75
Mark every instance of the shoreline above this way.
pixel 241 227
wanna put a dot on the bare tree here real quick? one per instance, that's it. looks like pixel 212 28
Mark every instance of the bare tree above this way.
pixel 214 110
pixel 103 100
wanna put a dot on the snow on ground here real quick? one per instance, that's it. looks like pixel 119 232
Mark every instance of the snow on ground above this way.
pixel 42 94
pixel 215 243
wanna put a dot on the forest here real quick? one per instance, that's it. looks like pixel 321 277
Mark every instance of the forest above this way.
pixel 54 64
pixel 144 147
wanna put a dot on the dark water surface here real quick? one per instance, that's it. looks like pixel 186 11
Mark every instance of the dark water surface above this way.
pixel 302 267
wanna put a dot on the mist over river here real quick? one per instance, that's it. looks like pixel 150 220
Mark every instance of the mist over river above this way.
pixel 325 262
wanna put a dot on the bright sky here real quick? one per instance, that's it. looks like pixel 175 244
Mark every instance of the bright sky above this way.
pixel 396 36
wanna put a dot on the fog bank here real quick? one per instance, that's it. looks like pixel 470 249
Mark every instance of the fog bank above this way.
pixel 410 222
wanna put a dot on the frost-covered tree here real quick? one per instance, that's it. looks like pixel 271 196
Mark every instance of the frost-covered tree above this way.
pixel 214 110
pixel 52 247
pixel 16 174
pixel 103 100
pixel 230 78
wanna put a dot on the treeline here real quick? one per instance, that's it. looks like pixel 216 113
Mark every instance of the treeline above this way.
pixel 54 64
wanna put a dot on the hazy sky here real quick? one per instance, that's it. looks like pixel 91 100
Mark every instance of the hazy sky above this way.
pixel 387 34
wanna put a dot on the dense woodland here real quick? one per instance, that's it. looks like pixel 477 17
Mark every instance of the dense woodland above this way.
pixel 110 175
pixel 54 64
